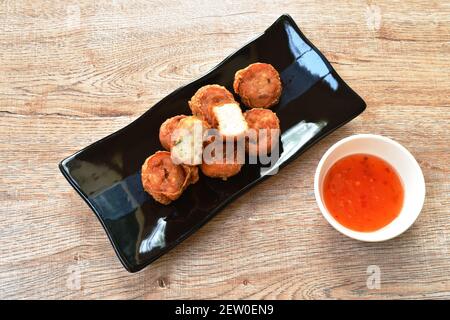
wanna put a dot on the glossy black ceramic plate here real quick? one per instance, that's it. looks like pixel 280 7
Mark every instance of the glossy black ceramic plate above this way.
pixel 314 102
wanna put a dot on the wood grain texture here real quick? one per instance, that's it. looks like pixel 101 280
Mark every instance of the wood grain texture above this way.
pixel 72 72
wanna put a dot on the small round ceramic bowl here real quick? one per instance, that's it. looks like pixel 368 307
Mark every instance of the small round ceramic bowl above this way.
pixel 398 157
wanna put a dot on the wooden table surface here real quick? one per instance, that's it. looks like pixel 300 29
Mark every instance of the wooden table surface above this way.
pixel 72 72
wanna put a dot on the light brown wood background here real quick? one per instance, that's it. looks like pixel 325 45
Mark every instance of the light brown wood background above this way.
pixel 72 72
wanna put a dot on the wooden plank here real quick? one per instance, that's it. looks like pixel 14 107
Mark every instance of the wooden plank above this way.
pixel 74 72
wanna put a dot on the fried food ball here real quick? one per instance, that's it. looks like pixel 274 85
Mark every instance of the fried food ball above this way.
pixel 216 164
pixel 230 121
pixel 261 122
pixel 258 85
pixel 166 130
pixel 187 141
pixel 164 180
pixel 206 98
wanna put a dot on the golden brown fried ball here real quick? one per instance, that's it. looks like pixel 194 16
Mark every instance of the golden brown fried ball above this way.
pixel 219 165
pixel 261 122
pixel 166 130
pixel 258 85
pixel 164 180
pixel 208 97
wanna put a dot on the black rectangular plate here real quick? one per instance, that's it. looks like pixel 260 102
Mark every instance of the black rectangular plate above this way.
pixel 315 101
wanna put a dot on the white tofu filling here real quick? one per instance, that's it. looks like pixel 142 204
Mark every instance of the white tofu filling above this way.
pixel 188 142
pixel 230 119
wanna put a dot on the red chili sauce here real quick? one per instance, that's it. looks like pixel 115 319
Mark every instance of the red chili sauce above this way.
pixel 363 192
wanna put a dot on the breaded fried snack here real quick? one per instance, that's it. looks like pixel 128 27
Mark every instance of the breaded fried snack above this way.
pixel 164 180
pixel 206 98
pixel 216 163
pixel 166 130
pixel 261 123
pixel 187 141
pixel 258 85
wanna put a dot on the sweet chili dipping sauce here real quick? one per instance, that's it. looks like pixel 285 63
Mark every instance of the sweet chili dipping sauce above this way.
pixel 363 192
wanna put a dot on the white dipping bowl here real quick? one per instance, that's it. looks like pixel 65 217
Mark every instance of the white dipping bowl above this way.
pixel 400 159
